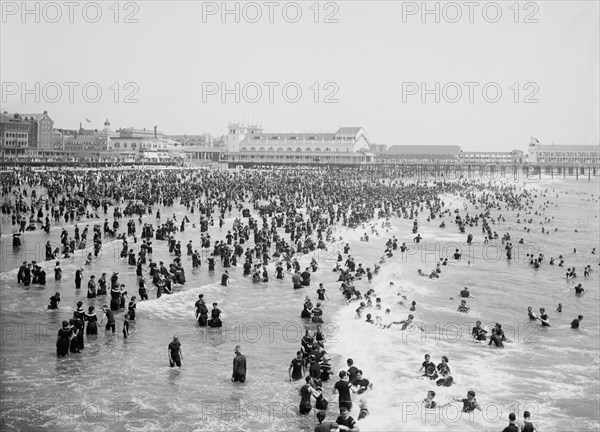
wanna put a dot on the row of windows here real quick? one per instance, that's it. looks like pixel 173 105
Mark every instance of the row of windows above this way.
pixel 23 135
pixel 142 145
pixel 15 143
pixel 569 159
pixel 280 149
pixel 286 157
pixel 292 138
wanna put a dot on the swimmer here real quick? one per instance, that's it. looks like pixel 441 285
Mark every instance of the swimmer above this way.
pixel 531 314
pixel 576 321
pixel 463 307
pixel 543 318
pixel 478 332
pixel 404 323
pixel 579 290
pixel 465 293
pixel 559 308
pixel 364 411
pixel 470 404
pixel 428 402
pixel 494 338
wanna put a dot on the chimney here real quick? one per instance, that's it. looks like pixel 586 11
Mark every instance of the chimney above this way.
pixel 46 112
pixel 155 131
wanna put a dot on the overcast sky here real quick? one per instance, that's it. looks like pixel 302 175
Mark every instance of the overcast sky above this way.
pixel 368 60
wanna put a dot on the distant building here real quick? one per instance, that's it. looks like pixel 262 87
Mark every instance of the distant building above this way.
pixel 379 148
pixel 206 139
pixel 14 135
pixel 81 142
pixel 563 154
pixel 492 158
pixel 42 130
pixel 140 133
pixel 250 145
pixel 421 154
pixel 25 134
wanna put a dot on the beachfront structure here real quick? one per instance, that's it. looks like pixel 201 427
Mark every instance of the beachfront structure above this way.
pixel 205 140
pixel 250 145
pixel 41 130
pixel 14 135
pixel 563 154
pixel 512 157
pixel 25 134
pixel 420 154
pixel 140 133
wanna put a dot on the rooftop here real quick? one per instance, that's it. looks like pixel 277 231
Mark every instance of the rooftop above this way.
pixel 448 150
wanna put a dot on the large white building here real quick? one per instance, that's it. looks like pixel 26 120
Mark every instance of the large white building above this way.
pixel 247 145
pixel 563 154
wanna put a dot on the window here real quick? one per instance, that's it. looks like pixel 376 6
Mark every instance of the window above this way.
pixel 312 138
pixel 327 149
pixel 293 137
pixel 299 149
pixel 256 137
pixel 307 149
pixel 243 149
pixel 289 149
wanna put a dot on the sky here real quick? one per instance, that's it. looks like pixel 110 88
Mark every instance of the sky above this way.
pixel 483 75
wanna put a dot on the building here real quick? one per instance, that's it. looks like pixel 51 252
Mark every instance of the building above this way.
pixel 249 145
pixel 379 148
pixel 36 129
pixel 563 154
pixel 15 135
pixel 421 154
pixel 41 135
pixel 204 140
pixel 140 133
pixel 491 158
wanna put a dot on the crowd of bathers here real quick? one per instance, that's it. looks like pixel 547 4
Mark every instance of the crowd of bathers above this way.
pixel 270 231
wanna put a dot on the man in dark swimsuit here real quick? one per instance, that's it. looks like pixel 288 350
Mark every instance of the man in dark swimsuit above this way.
pixel 110 316
pixel 470 404
pixel 527 425
pixel 174 351
pixel 494 338
pixel 576 321
pixel 343 388
pixel 512 426
pixel 345 420
pixel 295 370
pixel 225 278
pixel 239 366
pixel 479 333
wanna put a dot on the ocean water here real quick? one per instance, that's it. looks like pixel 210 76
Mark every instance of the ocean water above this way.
pixel 126 384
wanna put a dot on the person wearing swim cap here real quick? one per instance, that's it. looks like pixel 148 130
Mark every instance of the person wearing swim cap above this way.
pixel 512 426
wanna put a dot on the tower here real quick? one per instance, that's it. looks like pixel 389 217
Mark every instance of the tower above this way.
pixel 106 135
pixel 235 135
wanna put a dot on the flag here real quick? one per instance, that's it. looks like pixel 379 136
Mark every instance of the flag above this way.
pixel 88 120
pixel 533 140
